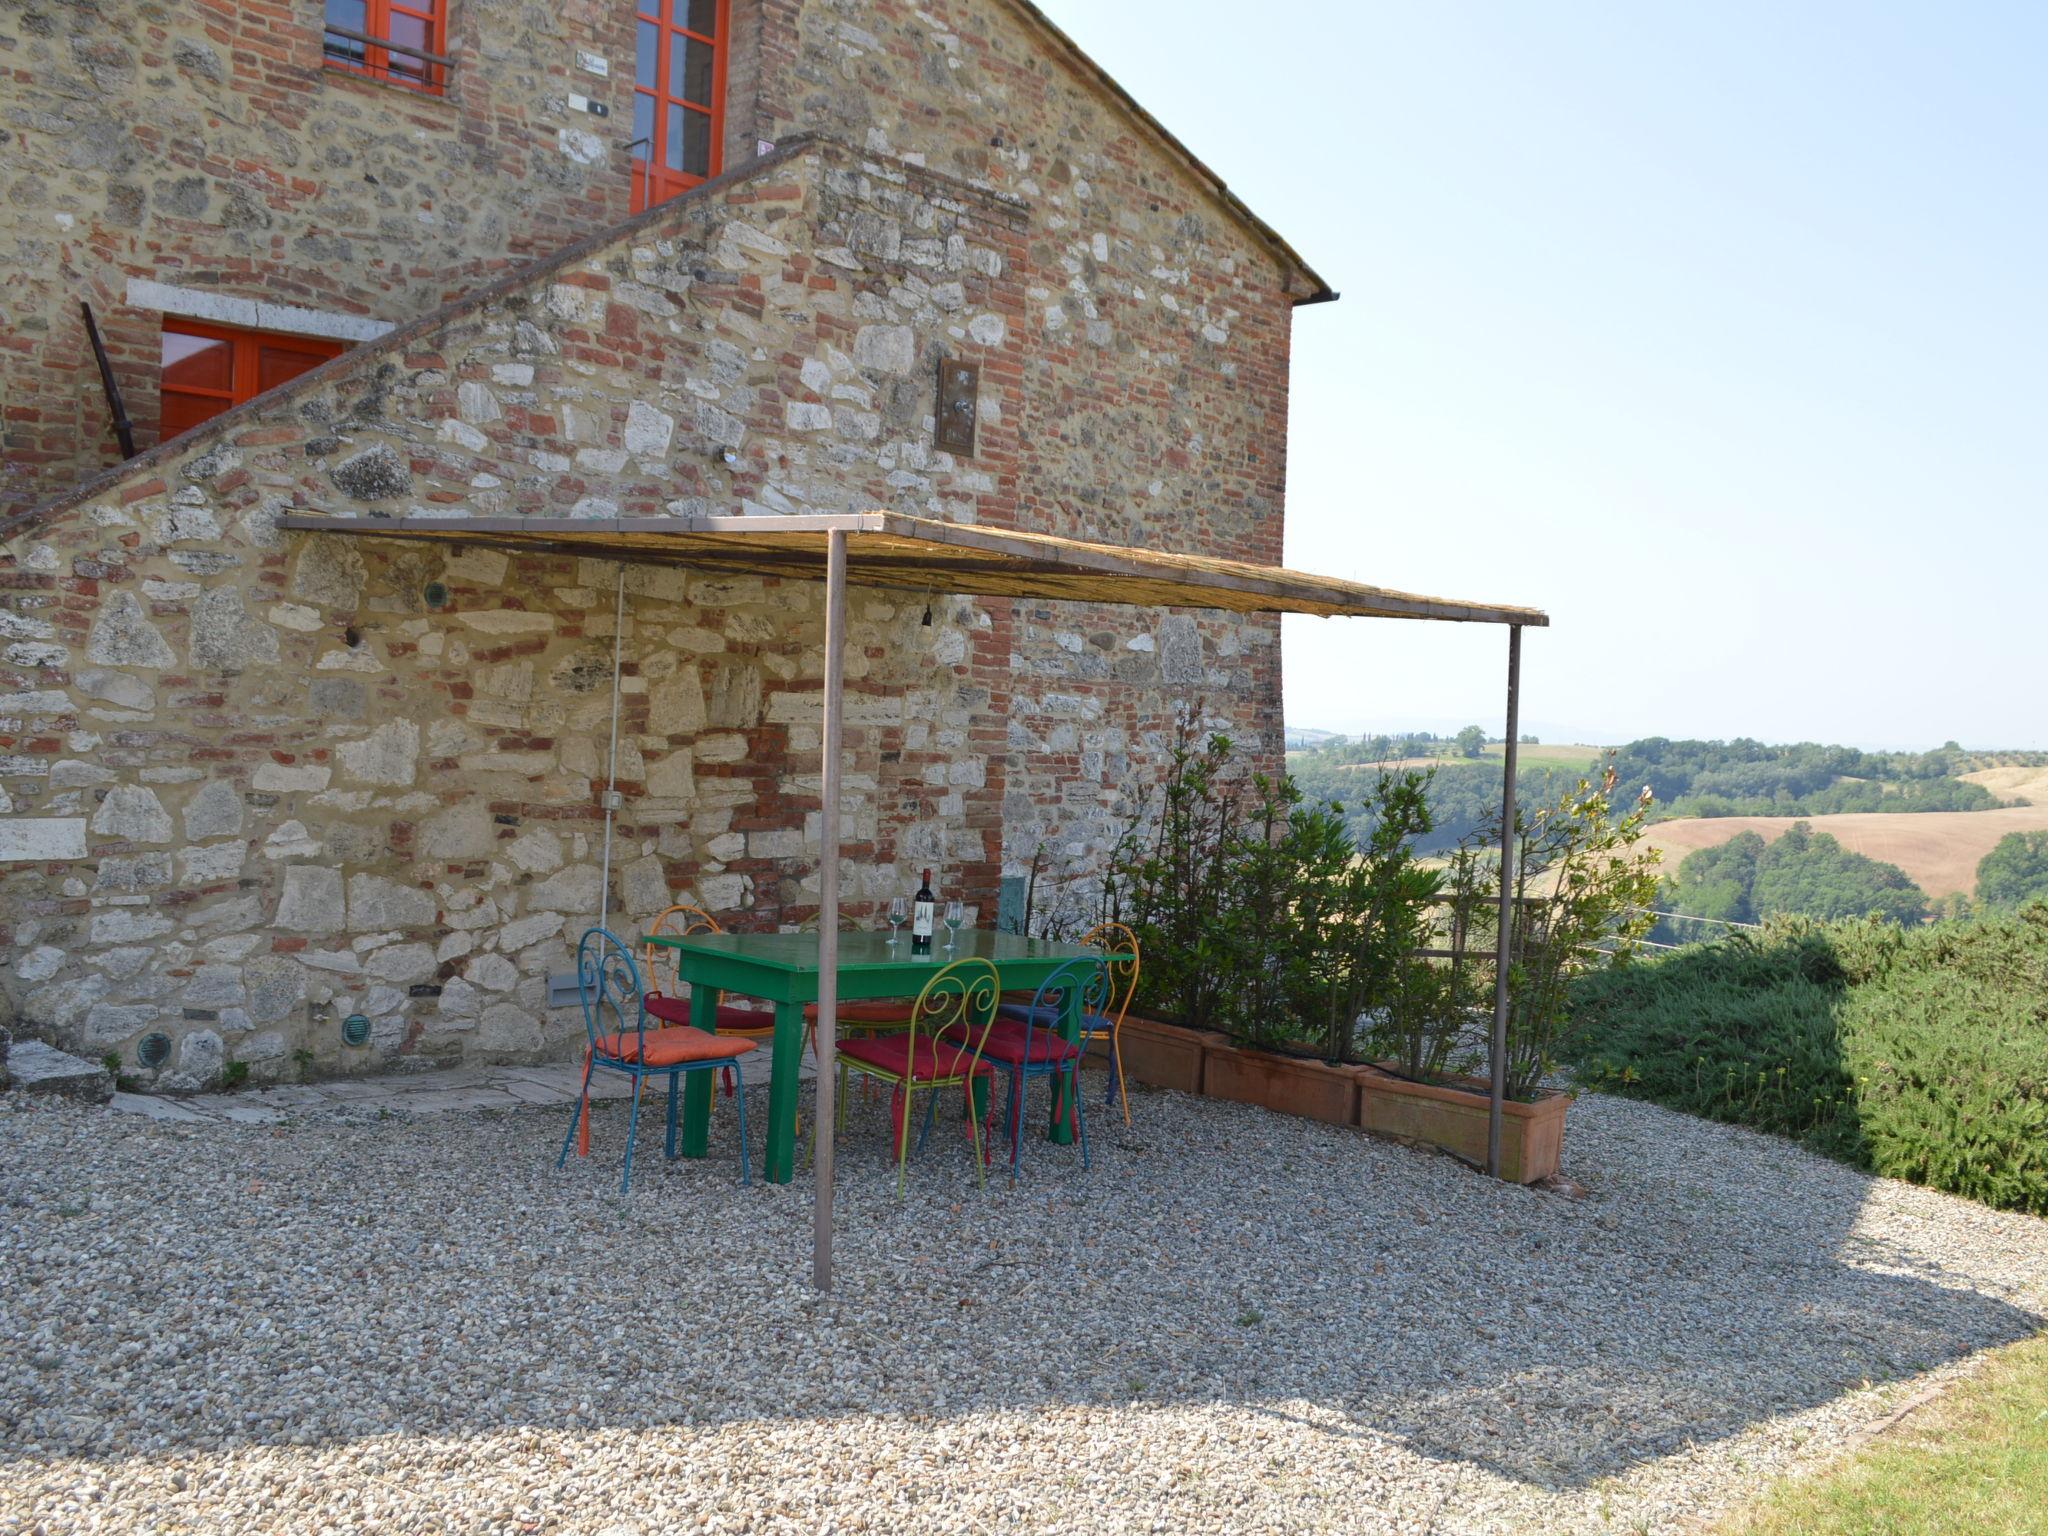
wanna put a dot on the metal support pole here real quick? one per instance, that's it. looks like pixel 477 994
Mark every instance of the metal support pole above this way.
pixel 611 791
pixel 1503 940
pixel 828 905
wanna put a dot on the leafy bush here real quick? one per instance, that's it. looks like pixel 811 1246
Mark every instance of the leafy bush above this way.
pixel 1256 913
pixel 1581 890
pixel 1922 1055
pixel 1260 916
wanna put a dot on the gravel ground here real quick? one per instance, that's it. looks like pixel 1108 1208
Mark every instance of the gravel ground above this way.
pixel 1235 1323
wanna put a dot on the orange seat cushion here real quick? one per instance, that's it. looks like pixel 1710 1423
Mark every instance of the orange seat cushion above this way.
pixel 880 1010
pixel 934 1059
pixel 732 1019
pixel 672 1047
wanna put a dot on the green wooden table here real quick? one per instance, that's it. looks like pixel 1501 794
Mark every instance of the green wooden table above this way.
pixel 782 968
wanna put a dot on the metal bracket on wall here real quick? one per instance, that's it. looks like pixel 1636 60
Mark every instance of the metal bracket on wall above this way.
pixel 124 432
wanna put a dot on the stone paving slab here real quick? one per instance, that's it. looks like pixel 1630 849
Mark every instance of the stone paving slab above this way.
pixel 152 1107
pixel 38 1068
pixel 443 1091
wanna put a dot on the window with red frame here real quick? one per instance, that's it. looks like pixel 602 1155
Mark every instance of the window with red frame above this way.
pixel 207 368
pixel 420 25
pixel 678 96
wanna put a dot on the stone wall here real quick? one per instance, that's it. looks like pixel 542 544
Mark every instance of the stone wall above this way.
pixel 1157 331
pixel 770 345
pixel 258 783
pixel 203 145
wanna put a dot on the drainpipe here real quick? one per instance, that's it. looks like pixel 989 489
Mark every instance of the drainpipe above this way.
pixel 611 794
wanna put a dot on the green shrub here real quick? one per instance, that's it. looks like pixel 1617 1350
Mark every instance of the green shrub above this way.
pixel 1259 915
pixel 1922 1055
pixel 1256 913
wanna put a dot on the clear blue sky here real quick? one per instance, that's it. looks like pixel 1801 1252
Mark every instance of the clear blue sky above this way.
pixel 1719 331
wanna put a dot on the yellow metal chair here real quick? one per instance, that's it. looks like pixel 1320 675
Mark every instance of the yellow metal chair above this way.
pixel 1114 939
pixel 940 1048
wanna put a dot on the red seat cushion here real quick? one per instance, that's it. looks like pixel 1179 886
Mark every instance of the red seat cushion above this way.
pixel 1044 1016
pixel 935 1059
pixel 1006 1044
pixel 880 1010
pixel 732 1019
pixel 672 1047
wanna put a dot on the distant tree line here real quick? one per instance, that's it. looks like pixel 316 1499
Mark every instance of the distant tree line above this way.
pixel 2014 873
pixel 1342 751
pixel 1803 873
pixel 1749 778
pixel 1806 873
pixel 1687 778
pixel 1463 795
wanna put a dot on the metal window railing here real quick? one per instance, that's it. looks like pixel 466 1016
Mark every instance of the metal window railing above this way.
pixel 433 61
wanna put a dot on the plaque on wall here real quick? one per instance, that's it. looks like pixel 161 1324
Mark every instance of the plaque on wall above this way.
pixel 959 405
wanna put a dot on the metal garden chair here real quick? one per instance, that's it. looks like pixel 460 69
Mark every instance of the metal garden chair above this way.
pixel 939 1048
pixel 615 1017
pixel 1107 1023
pixel 1026 1043
pixel 734 1020
pixel 863 1018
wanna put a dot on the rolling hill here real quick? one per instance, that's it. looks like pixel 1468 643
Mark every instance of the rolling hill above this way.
pixel 1940 850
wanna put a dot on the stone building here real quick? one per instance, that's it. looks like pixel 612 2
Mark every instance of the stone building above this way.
pixel 253 784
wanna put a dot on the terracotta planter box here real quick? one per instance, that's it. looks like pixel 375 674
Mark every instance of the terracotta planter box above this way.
pixel 1290 1085
pixel 1454 1118
pixel 1164 1055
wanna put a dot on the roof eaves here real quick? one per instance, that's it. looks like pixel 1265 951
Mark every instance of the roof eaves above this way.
pixel 1322 292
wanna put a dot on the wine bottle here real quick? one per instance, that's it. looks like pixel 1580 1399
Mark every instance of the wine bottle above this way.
pixel 924 910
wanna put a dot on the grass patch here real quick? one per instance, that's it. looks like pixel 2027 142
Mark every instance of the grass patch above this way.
pixel 1976 1461
pixel 1919 1054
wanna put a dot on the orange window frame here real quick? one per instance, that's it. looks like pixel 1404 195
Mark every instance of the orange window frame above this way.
pixel 245 368
pixel 654 179
pixel 413 74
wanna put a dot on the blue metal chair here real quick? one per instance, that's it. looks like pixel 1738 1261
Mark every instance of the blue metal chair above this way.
pixel 615 1017
pixel 1026 1043
pixel 1120 949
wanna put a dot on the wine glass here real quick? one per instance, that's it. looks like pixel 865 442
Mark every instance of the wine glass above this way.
pixel 899 914
pixel 956 914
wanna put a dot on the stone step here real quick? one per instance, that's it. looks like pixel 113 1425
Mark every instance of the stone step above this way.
pixel 34 1067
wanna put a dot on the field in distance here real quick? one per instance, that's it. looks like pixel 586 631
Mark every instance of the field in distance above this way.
pixel 1939 850
pixel 1545 755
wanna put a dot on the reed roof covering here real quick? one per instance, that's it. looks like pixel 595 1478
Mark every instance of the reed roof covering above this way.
pixel 888 549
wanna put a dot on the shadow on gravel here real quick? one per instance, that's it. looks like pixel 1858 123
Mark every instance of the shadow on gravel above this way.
pixel 171 1289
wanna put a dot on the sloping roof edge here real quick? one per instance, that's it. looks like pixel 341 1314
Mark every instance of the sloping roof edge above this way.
pixel 899 552
pixel 1082 61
